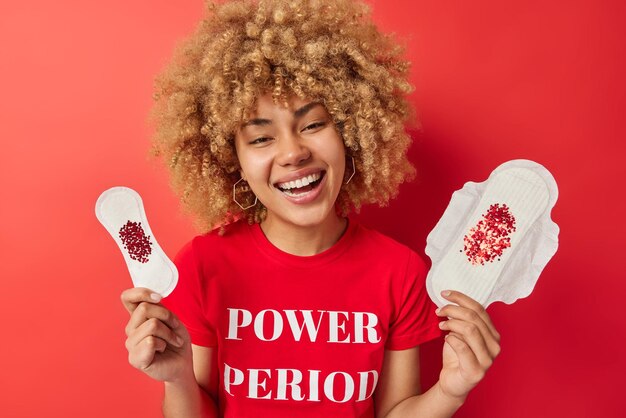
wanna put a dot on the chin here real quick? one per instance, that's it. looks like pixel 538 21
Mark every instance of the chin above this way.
pixel 306 218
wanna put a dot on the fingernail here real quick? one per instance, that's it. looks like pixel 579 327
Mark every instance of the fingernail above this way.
pixel 179 341
pixel 155 297
pixel 445 293
pixel 442 324
pixel 175 322
pixel 437 310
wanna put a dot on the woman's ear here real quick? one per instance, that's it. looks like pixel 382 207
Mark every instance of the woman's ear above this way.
pixel 243 176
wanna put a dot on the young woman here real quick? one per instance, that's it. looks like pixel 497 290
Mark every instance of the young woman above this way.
pixel 278 118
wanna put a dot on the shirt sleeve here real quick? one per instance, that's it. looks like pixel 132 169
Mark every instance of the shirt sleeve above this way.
pixel 416 321
pixel 187 299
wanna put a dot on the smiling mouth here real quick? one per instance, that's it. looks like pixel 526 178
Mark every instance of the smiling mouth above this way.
pixel 302 185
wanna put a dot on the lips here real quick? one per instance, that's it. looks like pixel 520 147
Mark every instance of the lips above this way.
pixel 302 188
pixel 300 179
pixel 300 182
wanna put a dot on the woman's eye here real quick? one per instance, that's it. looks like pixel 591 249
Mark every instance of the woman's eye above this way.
pixel 260 140
pixel 314 125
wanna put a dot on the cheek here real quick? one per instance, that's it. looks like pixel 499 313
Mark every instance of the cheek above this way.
pixel 340 164
pixel 338 158
pixel 255 167
pixel 332 149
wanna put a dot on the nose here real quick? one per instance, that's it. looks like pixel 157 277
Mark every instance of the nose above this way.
pixel 292 151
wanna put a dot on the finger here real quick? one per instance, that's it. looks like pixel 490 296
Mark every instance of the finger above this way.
pixel 145 311
pixel 132 297
pixel 467 302
pixel 468 315
pixel 470 334
pixel 468 363
pixel 155 328
pixel 143 354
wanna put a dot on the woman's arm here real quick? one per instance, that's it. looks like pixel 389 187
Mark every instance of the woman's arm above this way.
pixel 398 393
pixel 469 350
pixel 194 395
pixel 159 345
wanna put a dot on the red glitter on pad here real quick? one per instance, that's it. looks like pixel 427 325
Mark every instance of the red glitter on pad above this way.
pixel 491 236
pixel 135 241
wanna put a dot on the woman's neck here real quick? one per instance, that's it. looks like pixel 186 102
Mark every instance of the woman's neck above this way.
pixel 304 240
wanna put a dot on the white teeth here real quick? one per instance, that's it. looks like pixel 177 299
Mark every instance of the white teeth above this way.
pixel 301 182
pixel 289 193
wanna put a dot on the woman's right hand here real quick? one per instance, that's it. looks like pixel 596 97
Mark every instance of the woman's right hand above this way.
pixel 158 343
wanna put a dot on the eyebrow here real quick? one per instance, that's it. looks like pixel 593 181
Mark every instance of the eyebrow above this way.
pixel 305 109
pixel 257 122
pixel 298 113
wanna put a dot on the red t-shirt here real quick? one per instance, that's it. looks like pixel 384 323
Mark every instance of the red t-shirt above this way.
pixel 301 336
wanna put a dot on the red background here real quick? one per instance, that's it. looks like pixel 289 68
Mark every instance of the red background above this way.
pixel 496 81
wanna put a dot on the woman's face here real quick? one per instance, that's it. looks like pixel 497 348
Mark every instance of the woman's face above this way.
pixel 293 159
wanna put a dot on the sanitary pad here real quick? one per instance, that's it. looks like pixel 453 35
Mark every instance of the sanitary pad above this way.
pixel 120 210
pixel 495 237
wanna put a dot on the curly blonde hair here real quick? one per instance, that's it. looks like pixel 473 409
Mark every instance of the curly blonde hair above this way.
pixel 325 51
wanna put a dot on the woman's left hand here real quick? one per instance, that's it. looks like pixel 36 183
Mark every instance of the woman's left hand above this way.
pixel 470 347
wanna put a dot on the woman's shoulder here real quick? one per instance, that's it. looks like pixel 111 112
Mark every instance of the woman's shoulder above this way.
pixel 373 242
pixel 224 238
pixel 370 236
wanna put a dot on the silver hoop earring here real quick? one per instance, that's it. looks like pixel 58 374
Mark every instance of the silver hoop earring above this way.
pixel 244 189
pixel 353 171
